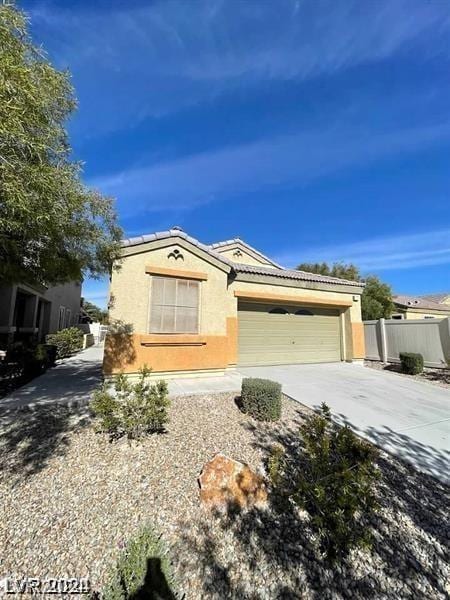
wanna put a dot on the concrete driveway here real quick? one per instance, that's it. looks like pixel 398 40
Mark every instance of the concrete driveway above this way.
pixel 405 417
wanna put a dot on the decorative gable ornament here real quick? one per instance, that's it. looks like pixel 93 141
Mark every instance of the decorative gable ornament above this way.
pixel 175 254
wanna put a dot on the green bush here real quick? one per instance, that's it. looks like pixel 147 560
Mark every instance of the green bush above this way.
pixel 276 464
pixel 335 483
pixel 131 409
pixel 31 358
pixel 261 398
pixel 412 363
pixel 51 353
pixel 142 571
pixel 67 341
pixel 34 361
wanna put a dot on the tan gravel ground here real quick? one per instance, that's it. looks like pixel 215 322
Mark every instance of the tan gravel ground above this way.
pixel 439 377
pixel 70 500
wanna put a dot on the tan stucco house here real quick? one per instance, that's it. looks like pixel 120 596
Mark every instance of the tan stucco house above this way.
pixel 431 306
pixel 183 308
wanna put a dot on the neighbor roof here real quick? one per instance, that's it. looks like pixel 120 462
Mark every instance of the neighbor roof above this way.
pixel 245 245
pixel 419 302
pixel 177 232
pixel 436 297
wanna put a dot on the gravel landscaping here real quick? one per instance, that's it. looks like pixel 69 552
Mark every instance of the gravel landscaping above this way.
pixel 439 377
pixel 71 499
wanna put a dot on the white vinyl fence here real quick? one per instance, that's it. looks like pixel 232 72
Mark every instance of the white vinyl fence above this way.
pixel 386 338
pixel 96 330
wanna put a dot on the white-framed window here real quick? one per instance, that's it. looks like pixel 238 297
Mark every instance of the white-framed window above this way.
pixel 68 317
pixel 62 313
pixel 174 305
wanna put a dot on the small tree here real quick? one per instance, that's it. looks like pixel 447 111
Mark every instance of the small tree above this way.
pixel 341 270
pixel 52 228
pixel 96 313
pixel 376 300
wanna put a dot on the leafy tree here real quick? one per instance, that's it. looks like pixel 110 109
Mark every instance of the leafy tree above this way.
pixel 52 228
pixel 95 312
pixel 340 270
pixel 376 300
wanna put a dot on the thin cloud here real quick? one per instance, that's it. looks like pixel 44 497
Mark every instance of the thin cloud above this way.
pixel 162 57
pixel 187 183
pixel 380 254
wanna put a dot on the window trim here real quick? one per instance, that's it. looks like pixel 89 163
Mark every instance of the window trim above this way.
pixel 62 317
pixel 196 280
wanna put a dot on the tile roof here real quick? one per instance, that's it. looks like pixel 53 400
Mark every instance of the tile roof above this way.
pixel 419 302
pixel 439 298
pixel 292 274
pixel 177 232
pixel 245 245
pixel 173 233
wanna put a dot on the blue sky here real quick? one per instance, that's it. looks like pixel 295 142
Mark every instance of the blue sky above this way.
pixel 315 130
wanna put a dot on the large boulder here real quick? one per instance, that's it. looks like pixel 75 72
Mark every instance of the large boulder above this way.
pixel 228 484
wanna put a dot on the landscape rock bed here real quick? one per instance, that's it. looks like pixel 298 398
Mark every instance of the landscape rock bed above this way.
pixel 71 499
pixel 439 377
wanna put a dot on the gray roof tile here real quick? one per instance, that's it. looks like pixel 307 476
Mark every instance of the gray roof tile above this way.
pixel 293 274
pixel 239 241
pixel 419 302
pixel 238 267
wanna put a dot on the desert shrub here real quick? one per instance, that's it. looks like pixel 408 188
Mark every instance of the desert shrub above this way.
pixel 67 341
pixel 412 363
pixel 142 571
pixel 261 398
pixel 131 409
pixel 276 464
pixel 335 483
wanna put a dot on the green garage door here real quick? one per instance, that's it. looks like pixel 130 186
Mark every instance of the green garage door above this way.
pixel 278 334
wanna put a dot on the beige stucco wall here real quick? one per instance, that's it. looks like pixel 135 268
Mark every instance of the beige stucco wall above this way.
pixel 67 295
pixel 130 289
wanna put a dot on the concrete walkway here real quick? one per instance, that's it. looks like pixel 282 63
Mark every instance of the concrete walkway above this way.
pixel 404 416
pixel 230 382
pixel 71 382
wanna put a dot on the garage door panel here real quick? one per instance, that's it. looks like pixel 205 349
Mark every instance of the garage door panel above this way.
pixel 270 338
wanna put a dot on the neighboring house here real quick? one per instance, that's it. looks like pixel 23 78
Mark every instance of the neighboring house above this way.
pixel 432 306
pixel 201 309
pixel 34 311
